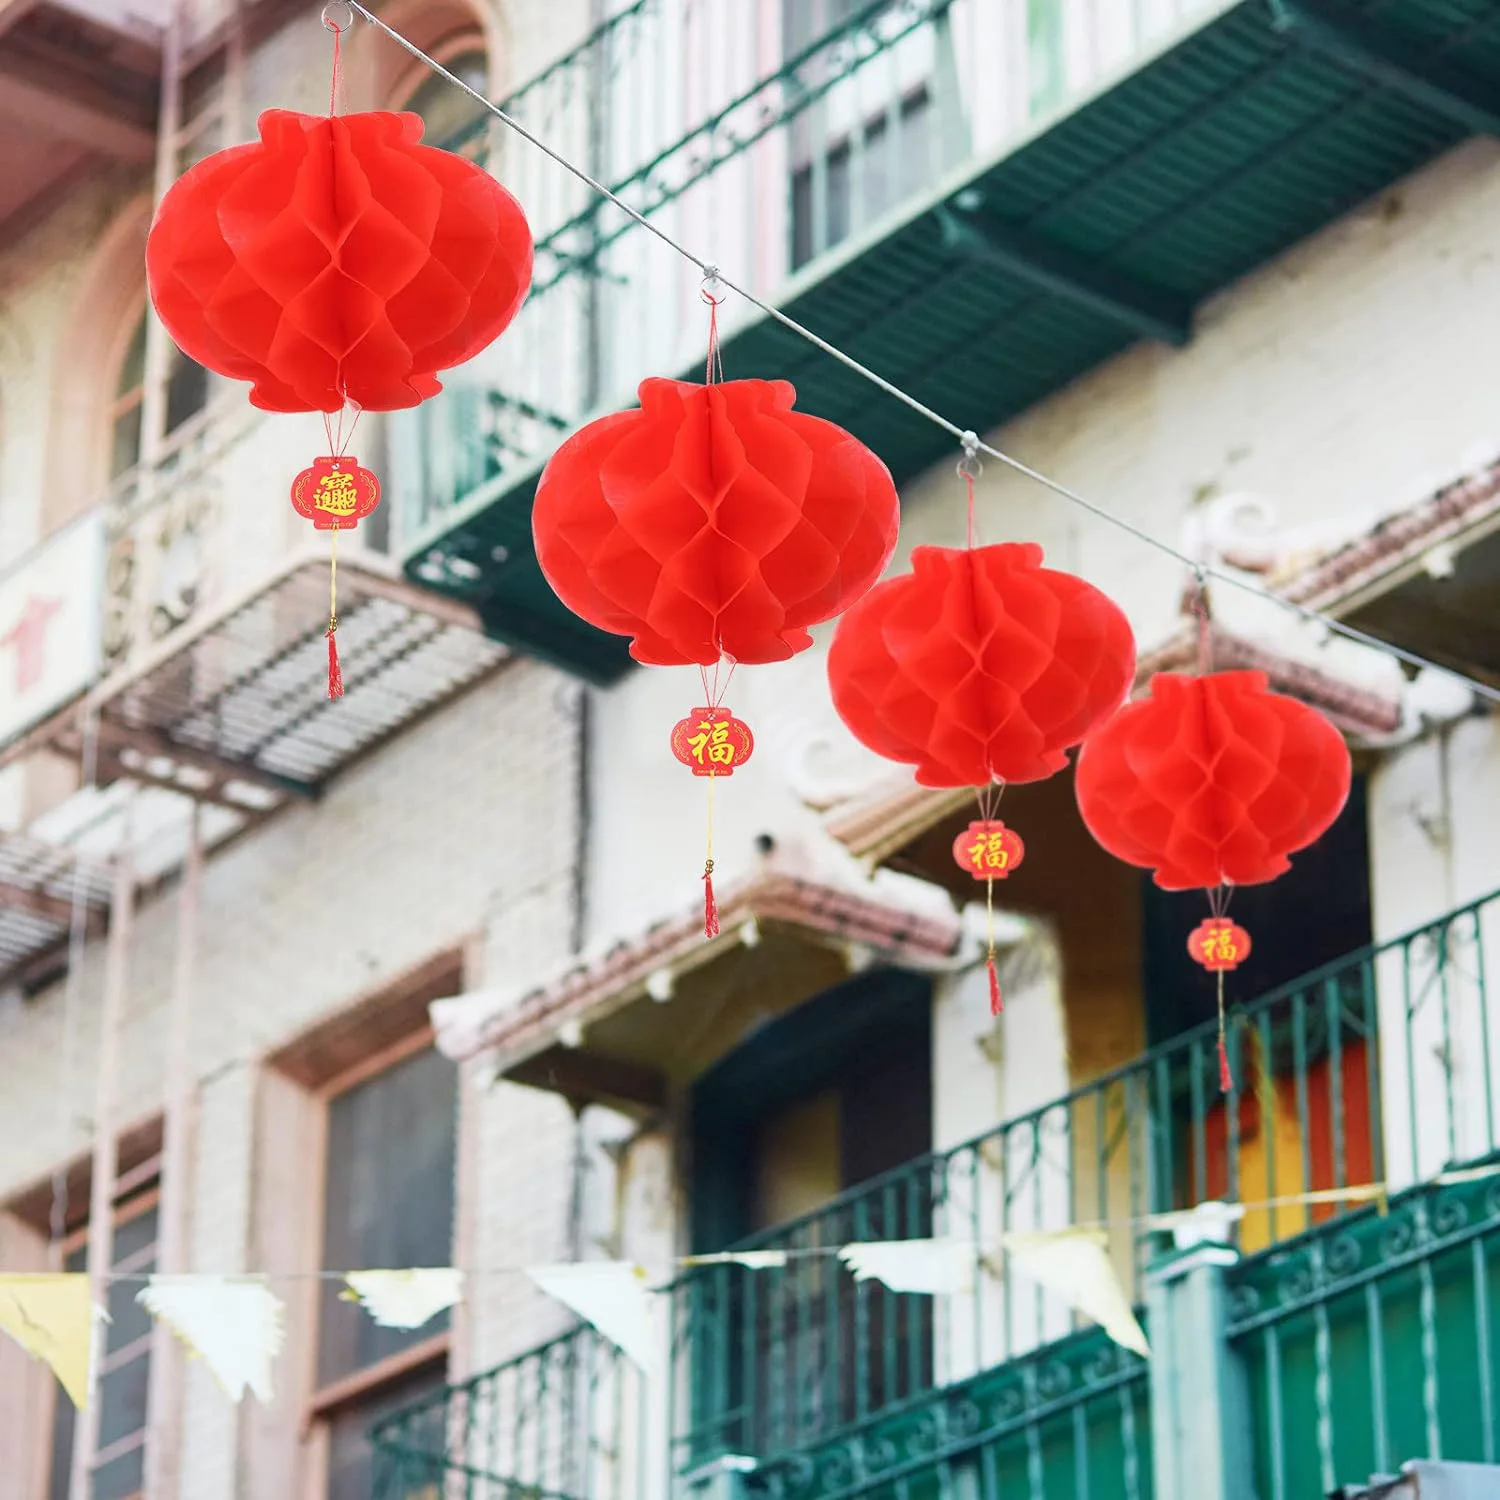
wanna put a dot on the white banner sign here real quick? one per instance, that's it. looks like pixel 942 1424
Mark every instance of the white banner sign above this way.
pixel 51 619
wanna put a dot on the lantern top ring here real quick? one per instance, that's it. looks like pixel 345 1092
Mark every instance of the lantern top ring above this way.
pixel 332 13
pixel 969 466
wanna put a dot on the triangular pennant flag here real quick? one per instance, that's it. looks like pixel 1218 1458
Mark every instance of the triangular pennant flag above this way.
pixel 52 1318
pixel 610 1294
pixel 927 1267
pixel 753 1260
pixel 233 1323
pixel 1075 1264
pixel 406 1299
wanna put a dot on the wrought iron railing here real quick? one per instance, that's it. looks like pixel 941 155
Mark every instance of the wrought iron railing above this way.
pixel 553 1424
pixel 1373 1340
pixel 764 147
pixel 1377 1068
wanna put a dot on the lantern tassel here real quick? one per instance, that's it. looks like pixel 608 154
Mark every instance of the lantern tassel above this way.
pixel 710 904
pixel 996 1003
pixel 1226 1079
pixel 335 672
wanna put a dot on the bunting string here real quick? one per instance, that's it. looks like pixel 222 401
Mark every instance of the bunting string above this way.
pixel 967 439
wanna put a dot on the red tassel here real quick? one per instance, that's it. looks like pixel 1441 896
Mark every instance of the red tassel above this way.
pixel 996 1004
pixel 710 906
pixel 335 673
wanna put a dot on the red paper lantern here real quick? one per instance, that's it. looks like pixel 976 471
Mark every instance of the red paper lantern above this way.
pixel 988 850
pixel 712 742
pixel 335 494
pixel 337 260
pixel 1218 944
pixel 980 665
pixel 1212 780
pixel 713 521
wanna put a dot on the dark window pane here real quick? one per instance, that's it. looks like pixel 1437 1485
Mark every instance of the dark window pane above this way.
pixel 64 1420
pixel 125 443
pixel 187 390
pixel 133 371
pixel 445 110
pixel 122 1400
pixel 129 1321
pixel 133 1236
pixel 351 1466
pixel 121 1476
pixel 804 21
pixel 389 1199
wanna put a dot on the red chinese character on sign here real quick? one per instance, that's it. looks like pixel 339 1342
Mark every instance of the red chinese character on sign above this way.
pixel 1219 944
pixel 712 742
pixel 335 494
pixel 988 850
pixel 29 636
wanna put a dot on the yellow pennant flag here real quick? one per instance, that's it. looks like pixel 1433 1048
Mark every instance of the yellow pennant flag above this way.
pixel 52 1318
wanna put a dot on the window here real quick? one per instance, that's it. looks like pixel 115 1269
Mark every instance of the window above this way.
pixel 388 1201
pixel 452 118
pixel 187 395
pixel 119 1465
pixel 863 144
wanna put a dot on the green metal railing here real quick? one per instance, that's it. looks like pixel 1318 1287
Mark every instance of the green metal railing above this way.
pixel 1377 1068
pixel 764 148
pixel 552 1424
pixel 771 1360
pixel 1373 1341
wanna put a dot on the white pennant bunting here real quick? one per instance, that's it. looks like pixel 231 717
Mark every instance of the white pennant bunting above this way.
pixel 406 1299
pixel 613 1296
pixel 752 1260
pixel 927 1267
pixel 1075 1264
pixel 233 1323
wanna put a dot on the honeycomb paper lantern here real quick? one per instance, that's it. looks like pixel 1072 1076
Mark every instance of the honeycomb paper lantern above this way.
pixel 337 260
pixel 713 521
pixel 980 665
pixel 1212 780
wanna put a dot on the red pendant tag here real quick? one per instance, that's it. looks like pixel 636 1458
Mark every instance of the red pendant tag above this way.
pixel 1218 944
pixel 335 494
pixel 712 742
pixel 988 850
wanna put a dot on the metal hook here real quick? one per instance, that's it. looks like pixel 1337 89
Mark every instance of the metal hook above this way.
pixel 969 466
pixel 333 7
pixel 709 291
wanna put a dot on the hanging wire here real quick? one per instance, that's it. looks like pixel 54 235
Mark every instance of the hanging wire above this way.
pixel 1302 611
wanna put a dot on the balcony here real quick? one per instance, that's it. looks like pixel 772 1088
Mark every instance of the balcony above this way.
pixel 1358 1325
pixel 979 200
pixel 171 641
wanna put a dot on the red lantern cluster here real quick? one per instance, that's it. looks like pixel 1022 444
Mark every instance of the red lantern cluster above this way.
pixel 1212 780
pixel 980 665
pixel 714 521
pixel 337 260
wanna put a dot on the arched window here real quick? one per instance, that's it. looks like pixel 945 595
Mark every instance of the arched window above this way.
pixel 452 118
pixel 187 395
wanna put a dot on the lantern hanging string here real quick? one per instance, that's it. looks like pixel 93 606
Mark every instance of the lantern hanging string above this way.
pixel 1302 611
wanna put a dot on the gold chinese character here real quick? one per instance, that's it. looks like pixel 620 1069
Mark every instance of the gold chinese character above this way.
pixel 1220 944
pixel 989 852
pixel 336 494
pixel 712 739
